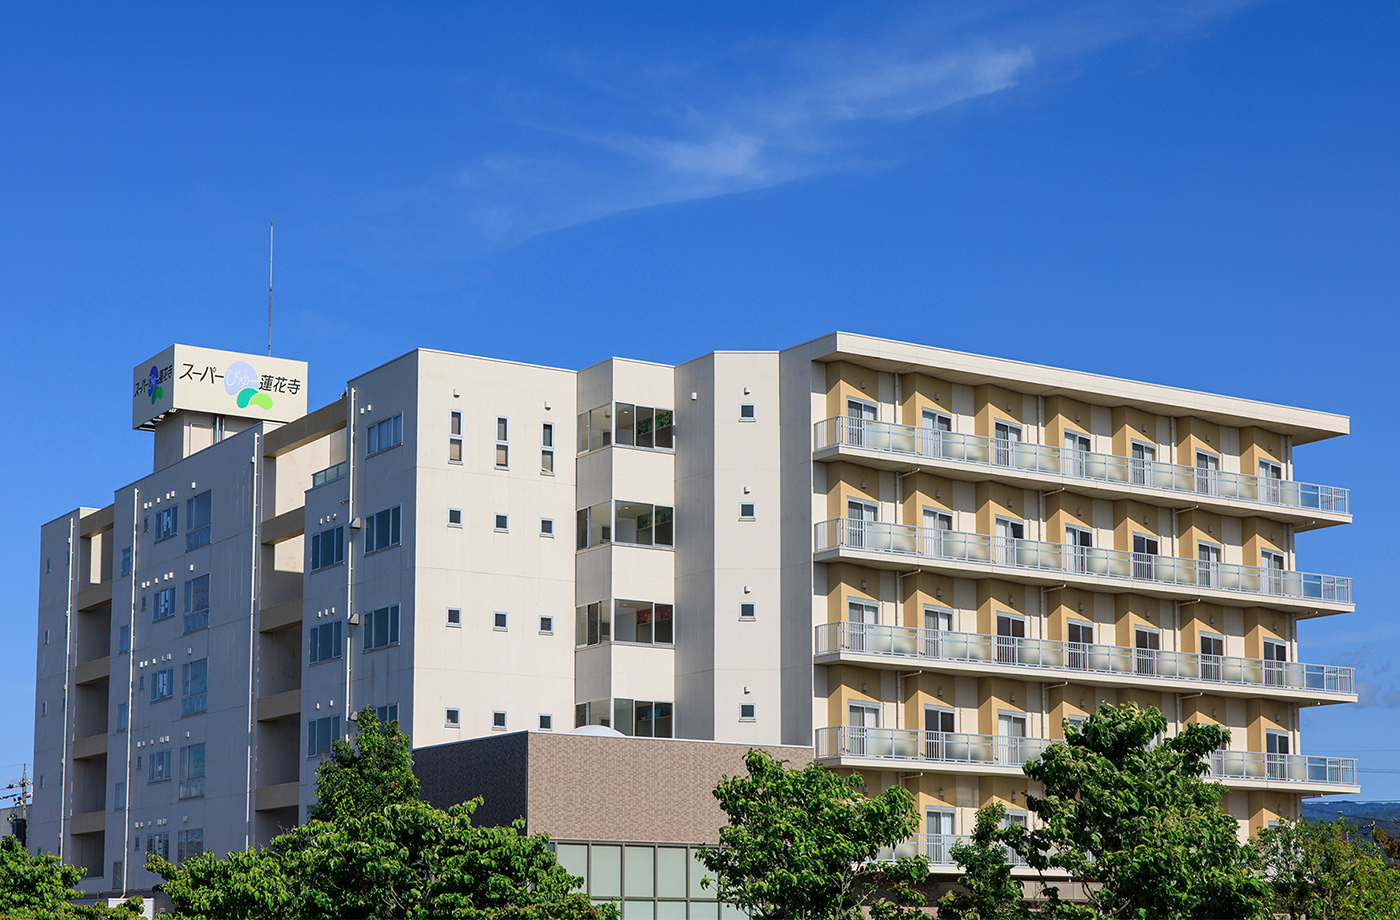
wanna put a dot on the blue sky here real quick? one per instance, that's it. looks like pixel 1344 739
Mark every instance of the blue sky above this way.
pixel 1195 193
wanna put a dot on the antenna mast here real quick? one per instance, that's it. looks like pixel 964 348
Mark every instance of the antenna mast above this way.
pixel 269 289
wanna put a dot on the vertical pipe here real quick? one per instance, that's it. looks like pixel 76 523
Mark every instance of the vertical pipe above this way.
pixel 64 799
pixel 256 534
pixel 130 683
pixel 349 554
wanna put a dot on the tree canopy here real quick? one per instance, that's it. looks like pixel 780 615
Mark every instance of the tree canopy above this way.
pixel 803 844
pixel 375 851
pixel 42 886
pixel 987 892
pixel 1327 872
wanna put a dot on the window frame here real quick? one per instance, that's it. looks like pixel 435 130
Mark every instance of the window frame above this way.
pixel 394 526
pixel 750 515
pixel 502 443
pixel 501 523
pixel 169 515
pixel 391 613
pixel 546 448
pixel 498 720
pixel 452 717
pixel 546 722
pixel 163 678
pixel 547 527
pixel 372 434
pixel 752 712
pixel 454 436
pixel 454 623
pixel 336 630
pixel 317 547
pixel 748 612
pixel 546 624
pixel 450 513
pixel 500 621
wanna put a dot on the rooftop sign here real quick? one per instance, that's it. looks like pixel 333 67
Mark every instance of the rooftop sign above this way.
pixel 218 382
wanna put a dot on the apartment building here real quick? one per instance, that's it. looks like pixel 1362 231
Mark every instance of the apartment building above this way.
pixel 897 559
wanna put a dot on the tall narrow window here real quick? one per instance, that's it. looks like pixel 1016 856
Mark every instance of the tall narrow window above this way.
pixel 197 603
pixel 198 511
pixel 454 438
pixel 126 561
pixel 192 772
pixel 194 687
pixel 502 443
pixel 121 717
pixel 123 639
pixel 189 844
pixel 165 604
pixel 547 448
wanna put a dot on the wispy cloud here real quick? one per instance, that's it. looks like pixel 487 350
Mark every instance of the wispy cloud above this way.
pixel 671 129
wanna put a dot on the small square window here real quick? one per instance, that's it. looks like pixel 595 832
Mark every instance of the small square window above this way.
pixel 746 712
pixel 546 527
pixel 546 722
pixel 746 412
pixel 746 511
pixel 454 517
pixel 454 616
pixel 547 625
pixel 454 718
pixel 502 523
pixel 498 721
pixel 498 620
pixel 747 612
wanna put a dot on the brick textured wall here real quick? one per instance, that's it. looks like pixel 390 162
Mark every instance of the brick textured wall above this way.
pixel 589 787
pixel 585 787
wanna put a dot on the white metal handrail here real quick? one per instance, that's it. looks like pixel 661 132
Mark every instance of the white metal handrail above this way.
pixel 937 849
pixel 907 744
pixel 907 440
pixel 981 549
pixel 1049 654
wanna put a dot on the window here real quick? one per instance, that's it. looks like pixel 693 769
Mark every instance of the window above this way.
pixel 454 517
pixel 746 511
pixel 327 548
pixel 159 767
pixel 498 620
pixel 121 717
pixel 593 623
pixel 189 844
pixel 454 718
pixel 546 527
pixel 388 713
pixel 162 684
pixel 748 612
pixel 384 435
pixel 119 797
pixel 143 603
pixel 194 686
pixel 382 627
pixel 642 622
pixel 746 412
pixel 167 523
pixel 547 449
pixel 546 722
pixel 382 529
pixel 454 438
pixel 123 639
pixel 126 561
pixel 192 772
pixel 502 443
pixel 197 603
pixel 498 721
pixel 635 426
pixel 165 604
pixel 639 718
pixel 198 511
pixel 321 734
pixel 547 625
pixel 643 524
pixel 746 711
pixel 454 616
pixel 502 523
pixel 325 642
pixel 158 844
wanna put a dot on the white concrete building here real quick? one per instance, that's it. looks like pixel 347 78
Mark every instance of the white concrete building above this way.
pixel 919 563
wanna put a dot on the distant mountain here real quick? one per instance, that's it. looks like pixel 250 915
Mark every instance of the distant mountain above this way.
pixel 1360 815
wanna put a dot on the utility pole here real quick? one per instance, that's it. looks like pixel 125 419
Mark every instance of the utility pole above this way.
pixel 20 826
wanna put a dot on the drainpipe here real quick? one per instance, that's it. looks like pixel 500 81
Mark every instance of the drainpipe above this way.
pixel 349 556
pixel 130 695
pixel 64 799
pixel 255 507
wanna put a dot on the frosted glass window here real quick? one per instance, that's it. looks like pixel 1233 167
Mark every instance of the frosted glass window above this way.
pixel 639 871
pixel 697 872
pixel 704 910
pixel 670 873
pixel 574 858
pixel 605 881
pixel 671 910
pixel 639 910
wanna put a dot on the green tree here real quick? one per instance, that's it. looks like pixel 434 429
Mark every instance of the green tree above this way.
pixel 42 886
pixel 375 851
pixel 365 777
pixel 988 891
pixel 802 844
pixel 1390 846
pixel 1318 871
pixel 1127 814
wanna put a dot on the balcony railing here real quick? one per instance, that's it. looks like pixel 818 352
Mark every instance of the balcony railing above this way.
pixel 937 849
pixel 911 744
pixel 329 474
pixel 908 642
pixel 906 440
pixel 980 549
pixel 907 744
pixel 1295 768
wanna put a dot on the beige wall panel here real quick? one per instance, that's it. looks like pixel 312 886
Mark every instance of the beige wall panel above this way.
pixel 996 694
pixel 1130 425
pixel 921 392
pixel 926 589
pixel 846 481
pixel 1134 610
pixel 1064 414
pixel 992 404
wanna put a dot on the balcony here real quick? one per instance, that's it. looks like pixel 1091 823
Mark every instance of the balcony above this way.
pixel 907 646
pixel 938 850
pixel 1037 465
pixel 1096 569
pixel 329 474
pixel 854 746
